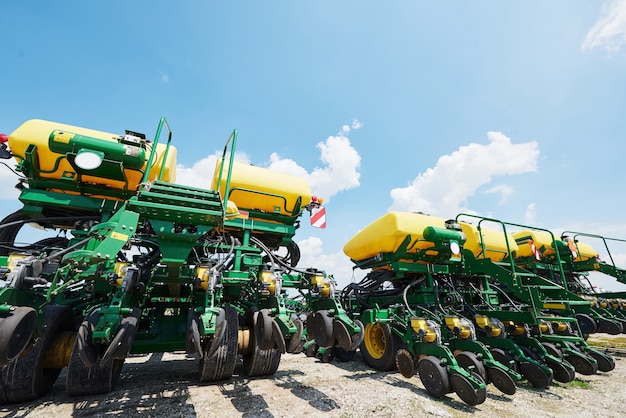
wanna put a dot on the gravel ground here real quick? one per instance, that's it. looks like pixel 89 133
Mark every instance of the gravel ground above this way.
pixel 167 386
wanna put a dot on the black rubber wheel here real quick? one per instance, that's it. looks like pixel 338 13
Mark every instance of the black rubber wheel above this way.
pixel 219 362
pixel 535 375
pixel 502 380
pixel 85 350
pixel 322 324
pixel 560 370
pixel 405 363
pixel 98 379
pixel 86 374
pixel 610 327
pixel 9 233
pixel 379 347
pixel 582 364
pixel 344 355
pixel 295 342
pixel 124 338
pixel 193 342
pixel 328 355
pixel 434 376
pixel 26 378
pixel 16 332
pixel 587 324
pixel 357 339
pixel 470 362
pixel 279 338
pixel 342 335
pixel 605 361
pixel 553 350
pixel 464 390
pixel 505 358
pixel 261 362
pixel 311 350
pixel 263 330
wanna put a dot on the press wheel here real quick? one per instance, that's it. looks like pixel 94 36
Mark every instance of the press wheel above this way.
pixel 263 330
pixel 505 358
pixel 218 363
pixel 434 376
pixel 582 364
pixel 535 375
pixel 470 362
pixel 561 372
pixel 502 380
pixel 344 355
pixel 464 389
pixel 322 324
pixel 605 361
pixel 26 378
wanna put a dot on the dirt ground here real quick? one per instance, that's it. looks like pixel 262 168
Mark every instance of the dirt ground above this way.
pixel 167 386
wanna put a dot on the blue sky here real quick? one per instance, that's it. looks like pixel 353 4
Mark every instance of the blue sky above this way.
pixel 507 109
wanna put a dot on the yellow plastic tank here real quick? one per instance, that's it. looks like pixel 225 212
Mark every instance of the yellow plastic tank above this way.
pixel 38 132
pixel 261 189
pixel 495 242
pixel 541 239
pixel 584 251
pixel 385 234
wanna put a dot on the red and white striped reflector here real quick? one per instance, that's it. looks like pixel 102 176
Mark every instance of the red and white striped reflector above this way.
pixel 318 216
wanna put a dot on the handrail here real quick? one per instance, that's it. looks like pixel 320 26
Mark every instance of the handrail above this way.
pixel 153 151
pixel 232 140
pixel 604 241
pixel 510 255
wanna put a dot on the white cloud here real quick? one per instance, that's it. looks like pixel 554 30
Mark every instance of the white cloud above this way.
pixel 609 32
pixel 357 124
pixel 530 216
pixel 200 174
pixel 337 264
pixel 340 172
pixel 503 190
pixel 444 189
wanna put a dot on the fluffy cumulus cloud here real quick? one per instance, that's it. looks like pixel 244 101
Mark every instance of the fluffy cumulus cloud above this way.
pixel 443 190
pixel 609 31
pixel 201 172
pixel 340 170
pixel 341 165
pixel 337 264
pixel 530 215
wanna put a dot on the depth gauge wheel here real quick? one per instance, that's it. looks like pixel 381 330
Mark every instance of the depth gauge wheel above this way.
pixel 605 361
pixel 27 378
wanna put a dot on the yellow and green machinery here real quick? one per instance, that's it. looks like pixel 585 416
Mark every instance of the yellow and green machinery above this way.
pixel 140 264
pixel 456 302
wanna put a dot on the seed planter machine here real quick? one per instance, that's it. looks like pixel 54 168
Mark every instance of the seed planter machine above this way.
pixel 142 265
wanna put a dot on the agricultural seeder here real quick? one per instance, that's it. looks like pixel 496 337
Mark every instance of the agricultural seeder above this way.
pixel 140 264
pixel 455 303
pixel 538 303
pixel 606 312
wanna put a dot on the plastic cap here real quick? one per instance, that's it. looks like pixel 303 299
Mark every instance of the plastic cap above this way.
pixel 4 138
